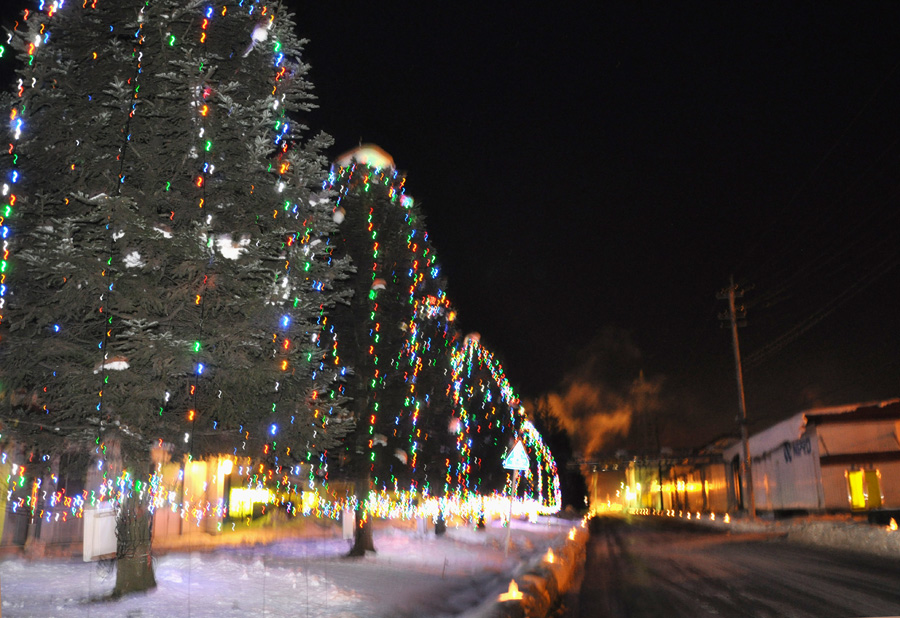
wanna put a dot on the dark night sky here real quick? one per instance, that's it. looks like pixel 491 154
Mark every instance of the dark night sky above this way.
pixel 589 173
pixel 592 177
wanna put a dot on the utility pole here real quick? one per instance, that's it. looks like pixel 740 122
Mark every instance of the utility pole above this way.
pixel 659 469
pixel 730 293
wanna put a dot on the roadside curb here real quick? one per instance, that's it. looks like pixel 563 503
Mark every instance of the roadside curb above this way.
pixel 541 583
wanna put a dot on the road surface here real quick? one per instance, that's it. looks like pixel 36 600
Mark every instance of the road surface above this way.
pixel 664 567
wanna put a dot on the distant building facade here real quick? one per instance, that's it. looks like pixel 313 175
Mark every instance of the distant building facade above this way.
pixel 830 459
pixel 844 458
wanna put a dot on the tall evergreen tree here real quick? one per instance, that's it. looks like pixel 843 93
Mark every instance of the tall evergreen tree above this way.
pixel 393 333
pixel 420 429
pixel 168 261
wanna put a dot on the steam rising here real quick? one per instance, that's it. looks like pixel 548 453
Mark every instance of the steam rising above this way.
pixel 602 402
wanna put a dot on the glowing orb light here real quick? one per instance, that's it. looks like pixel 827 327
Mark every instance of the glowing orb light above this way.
pixel 226 466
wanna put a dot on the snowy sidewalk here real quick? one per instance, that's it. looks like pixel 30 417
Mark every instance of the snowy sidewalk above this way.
pixel 409 576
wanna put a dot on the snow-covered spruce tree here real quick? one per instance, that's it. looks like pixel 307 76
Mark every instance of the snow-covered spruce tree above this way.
pixel 383 232
pixel 167 264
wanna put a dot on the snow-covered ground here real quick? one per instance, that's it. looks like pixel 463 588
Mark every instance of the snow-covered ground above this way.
pixel 410 575
pixel 838 531
pixel 843 531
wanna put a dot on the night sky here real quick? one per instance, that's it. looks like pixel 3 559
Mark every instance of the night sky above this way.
pixel 592 178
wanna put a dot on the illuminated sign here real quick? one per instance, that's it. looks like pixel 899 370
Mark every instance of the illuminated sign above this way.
pixel 517 459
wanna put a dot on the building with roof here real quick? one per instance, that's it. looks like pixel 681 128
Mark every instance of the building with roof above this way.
pixel 843 458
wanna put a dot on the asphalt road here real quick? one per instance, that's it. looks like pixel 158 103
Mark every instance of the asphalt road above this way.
pixel 662 567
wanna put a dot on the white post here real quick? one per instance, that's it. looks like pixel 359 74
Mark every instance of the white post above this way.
pixel 512 495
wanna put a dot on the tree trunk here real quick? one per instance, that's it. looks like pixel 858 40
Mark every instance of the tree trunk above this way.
pixel 5 470
pixel 363 539
pixel 134 530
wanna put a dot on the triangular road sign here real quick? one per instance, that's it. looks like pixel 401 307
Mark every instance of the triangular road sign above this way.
pixel 517 459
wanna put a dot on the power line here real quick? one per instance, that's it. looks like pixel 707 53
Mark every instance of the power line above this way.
pixel 805 183
pixel 861 230
pixel 754 360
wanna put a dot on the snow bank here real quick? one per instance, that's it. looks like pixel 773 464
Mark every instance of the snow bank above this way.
pixel 838 531
pixel 847 535
pixel 541 582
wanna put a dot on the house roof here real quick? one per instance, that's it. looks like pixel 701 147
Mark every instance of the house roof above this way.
pixel 793 427
pixel 872 411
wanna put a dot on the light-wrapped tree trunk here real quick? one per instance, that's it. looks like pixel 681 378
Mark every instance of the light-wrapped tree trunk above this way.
pixel 134 536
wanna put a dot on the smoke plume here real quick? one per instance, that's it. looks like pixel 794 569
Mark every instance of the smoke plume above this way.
pixel 606 398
